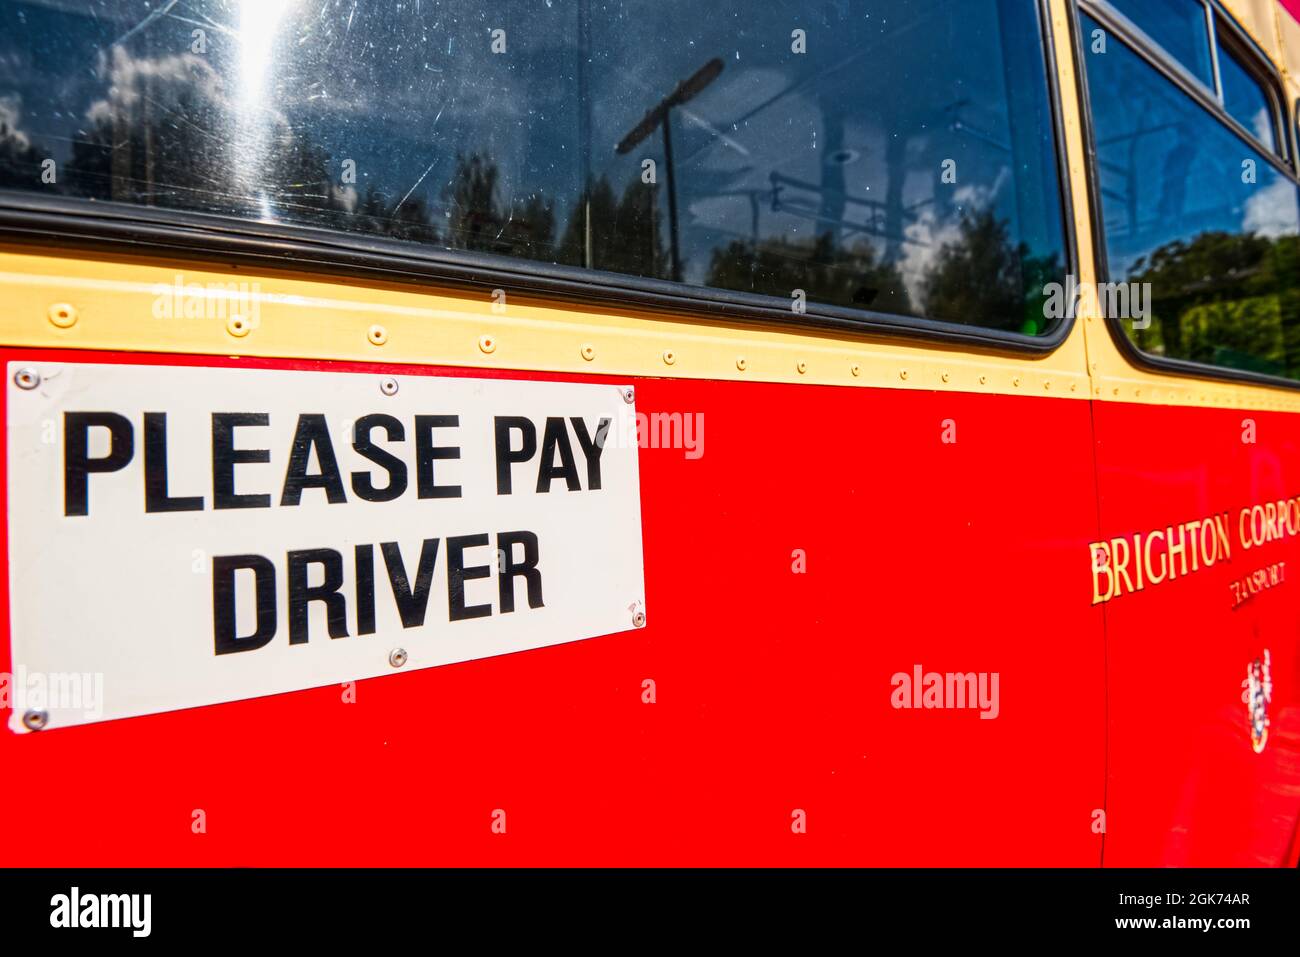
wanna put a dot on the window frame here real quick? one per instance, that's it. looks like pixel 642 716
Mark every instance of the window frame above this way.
pixel 123 229
pixel 1253 60
pixel 1258 66
pixel 1144 48
pixel 1295 127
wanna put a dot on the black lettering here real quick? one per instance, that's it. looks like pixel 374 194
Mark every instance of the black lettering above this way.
pixel 591 448
pixel 223 602
pixel 411 602
pixel 225 457
pixel 510 569
pixel 301 595
pixel 77 463
pixel 556 439
pixel 312 432
pixel 458 574
pixel 156 498
pixel 364 559
pixel 396 468
pixel 426 453
pixel 506 456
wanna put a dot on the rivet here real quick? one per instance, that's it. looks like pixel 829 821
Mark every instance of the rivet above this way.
pixel 742 363
pixel 1117 392
pixel 26 378
pixel 1137 392
pixel 397 657
pixel 63 314
pixel 856 369
pixel 902 374
pixel 984 379
pixel 629 394
pixel 377 335
pixel 1047 386
pixel 638 619
pixel 802 367
pixel 487 344
pixel 36 720
pixel 388 385
pixel 1016 382
pixel 588 351
pixel 1074 387
pixel 669 357
pixel 238 326
pixel 943 376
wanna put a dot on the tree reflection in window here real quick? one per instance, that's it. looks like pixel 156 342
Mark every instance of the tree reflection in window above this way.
pixel 1192 209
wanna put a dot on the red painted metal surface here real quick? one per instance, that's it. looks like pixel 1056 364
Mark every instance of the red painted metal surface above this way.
pixel 1185 786
pixel 773 687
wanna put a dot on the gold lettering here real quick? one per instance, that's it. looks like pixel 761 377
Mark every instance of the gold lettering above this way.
pixel 1100 553
pixel 1180 549
pixel 1137 560
pixel 1221 529
pixel 1120 564
pixel 1208 531
pixel 1191 528
pixel 1146 556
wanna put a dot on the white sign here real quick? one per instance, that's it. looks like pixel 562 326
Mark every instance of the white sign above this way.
pixel 182 536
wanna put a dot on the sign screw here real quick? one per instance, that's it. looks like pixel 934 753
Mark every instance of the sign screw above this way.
pixel 397 657
pixel 28 378
pixel 388 385
pixel 638 619
pixel 377 335
pixel 36 720
pixel 629 394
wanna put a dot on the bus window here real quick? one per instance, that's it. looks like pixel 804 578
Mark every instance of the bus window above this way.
pixel 875 156
pixel 1246 100
pixel 1194 218
pixel 1180 28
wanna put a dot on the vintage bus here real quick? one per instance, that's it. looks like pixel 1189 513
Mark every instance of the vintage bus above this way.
pixel 587 432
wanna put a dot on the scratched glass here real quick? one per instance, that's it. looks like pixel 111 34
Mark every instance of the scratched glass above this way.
pixel 890 157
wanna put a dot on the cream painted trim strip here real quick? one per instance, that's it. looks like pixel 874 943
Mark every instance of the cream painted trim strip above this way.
pixel 86 303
